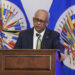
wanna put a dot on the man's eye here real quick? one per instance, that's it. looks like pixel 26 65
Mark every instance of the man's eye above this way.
pixel 41 21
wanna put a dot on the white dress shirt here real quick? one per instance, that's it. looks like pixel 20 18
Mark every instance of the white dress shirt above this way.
pixel 35 38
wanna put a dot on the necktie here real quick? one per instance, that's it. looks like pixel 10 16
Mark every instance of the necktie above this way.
pixel 38 41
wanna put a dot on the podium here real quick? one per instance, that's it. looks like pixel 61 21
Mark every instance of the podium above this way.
pixel 28 62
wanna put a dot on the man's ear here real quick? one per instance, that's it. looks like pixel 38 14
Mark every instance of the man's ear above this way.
pixel 33 18
pixel 47 23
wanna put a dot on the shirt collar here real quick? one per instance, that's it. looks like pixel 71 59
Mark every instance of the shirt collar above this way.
pixel 42 33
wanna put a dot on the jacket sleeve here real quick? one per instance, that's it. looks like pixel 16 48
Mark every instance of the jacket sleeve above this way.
pixel 18 44
pixel 57 44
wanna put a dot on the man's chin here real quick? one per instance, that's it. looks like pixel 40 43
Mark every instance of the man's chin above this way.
pixel 37 29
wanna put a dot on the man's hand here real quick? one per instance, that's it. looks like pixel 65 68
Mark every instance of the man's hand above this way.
pixel 60 56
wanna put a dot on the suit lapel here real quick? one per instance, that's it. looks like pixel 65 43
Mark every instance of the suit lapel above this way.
pixel 45 39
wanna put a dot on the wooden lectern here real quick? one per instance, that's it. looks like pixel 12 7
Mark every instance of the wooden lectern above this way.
pixel 27 62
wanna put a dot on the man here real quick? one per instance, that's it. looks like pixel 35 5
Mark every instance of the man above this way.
pixel 39 37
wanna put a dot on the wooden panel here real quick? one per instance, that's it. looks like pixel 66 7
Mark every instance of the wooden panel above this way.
pixel 27 63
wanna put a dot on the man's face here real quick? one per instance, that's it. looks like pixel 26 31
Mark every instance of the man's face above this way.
pixel 40 21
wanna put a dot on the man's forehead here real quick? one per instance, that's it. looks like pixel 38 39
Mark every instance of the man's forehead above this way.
pixel 41 12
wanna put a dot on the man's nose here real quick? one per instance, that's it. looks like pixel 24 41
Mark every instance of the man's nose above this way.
pixel 38 22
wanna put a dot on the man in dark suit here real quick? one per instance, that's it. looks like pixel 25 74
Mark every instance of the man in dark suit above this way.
pixel 40 37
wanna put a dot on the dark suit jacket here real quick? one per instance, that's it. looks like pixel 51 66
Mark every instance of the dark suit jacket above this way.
pixel 50 40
